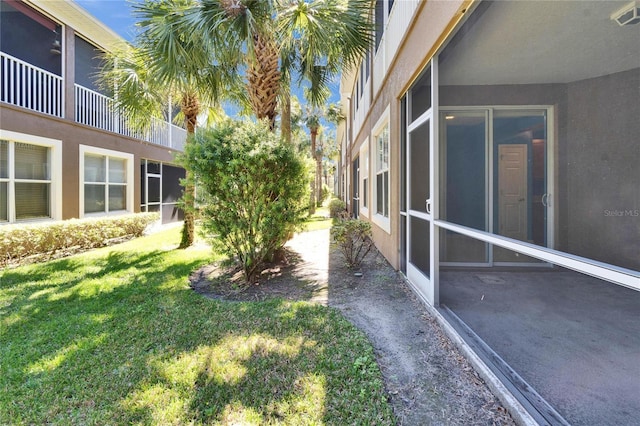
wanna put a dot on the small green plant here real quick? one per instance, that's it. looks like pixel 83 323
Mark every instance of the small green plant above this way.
pixel 252 188
pixel 336 207
pixel 353 237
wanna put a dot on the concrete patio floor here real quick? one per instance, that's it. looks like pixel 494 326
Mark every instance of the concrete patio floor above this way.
pixel 573 338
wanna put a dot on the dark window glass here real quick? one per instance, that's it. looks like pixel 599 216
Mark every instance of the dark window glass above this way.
pixel 117 197
pixel 171 188
pixel 153 168
pixel 379 21
pixel 88 61
pixel 153 191
pixel 4 199
pixel 32 161
pixel 421 95
pixel 420 252
pixel 32 200
pixel 403 154
pixel 419 173
pixel 143 182
pixel 379 194
pixel 4 159
pixel 94 197
pixel 27 35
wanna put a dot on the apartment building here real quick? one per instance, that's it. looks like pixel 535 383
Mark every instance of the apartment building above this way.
pixel 494 148
pixel 65 151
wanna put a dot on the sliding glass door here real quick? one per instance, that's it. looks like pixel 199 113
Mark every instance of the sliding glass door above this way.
pixel 495 177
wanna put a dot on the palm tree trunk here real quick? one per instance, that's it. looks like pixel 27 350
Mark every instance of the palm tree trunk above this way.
pixel 188 227
pixel 314 183
pixel 264 78
pixel 318 157
pixel 190 108
pixel 285 119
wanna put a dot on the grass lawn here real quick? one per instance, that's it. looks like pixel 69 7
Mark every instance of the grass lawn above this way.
pixel 319 220
pixel 115 336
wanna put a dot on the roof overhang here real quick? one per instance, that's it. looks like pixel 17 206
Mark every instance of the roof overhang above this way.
pixel 86 25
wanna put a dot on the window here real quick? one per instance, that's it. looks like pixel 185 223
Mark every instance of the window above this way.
pixel 27 187
pixel 381 17
pixel 364 178
pixel 106 181
pixel 362 78
pixel 382 172
pixel 379 21
pixel 353 104
pixel 32 181
pixel 367 65
pixel 381 184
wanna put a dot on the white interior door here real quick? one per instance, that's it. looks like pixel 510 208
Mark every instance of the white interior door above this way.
pixel 512 191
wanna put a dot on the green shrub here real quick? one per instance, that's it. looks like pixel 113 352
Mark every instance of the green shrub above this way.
pixel 336 207
pixel 252 187
pixel 353 237
pixel 325 194
pixel 42 241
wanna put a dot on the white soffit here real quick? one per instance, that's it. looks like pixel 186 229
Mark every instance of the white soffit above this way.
pixel 347 80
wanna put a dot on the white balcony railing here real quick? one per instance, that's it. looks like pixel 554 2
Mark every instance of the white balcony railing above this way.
pixel 30 87
pixel 97 110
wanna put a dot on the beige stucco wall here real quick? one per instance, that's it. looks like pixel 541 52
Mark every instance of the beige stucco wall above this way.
pixel 431 25
pixel 73 135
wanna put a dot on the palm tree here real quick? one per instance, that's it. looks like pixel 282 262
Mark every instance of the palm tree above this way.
pixel 266 42
pixel 313 118
pixel 200 47
pixel 158 69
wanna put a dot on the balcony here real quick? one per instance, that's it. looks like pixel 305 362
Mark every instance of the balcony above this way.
pixel 27 86
pixel 99 111
pixel 30 87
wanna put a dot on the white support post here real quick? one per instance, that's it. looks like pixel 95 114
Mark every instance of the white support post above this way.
pixel 169 123
pixel 434 262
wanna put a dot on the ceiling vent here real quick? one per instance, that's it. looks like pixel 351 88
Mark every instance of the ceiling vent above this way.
pixel 628 15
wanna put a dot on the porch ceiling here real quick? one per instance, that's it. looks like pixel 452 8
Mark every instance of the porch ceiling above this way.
pixel 559 42
pixel 70 13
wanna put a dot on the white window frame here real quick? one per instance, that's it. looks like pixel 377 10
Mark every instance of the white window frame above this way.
pixel 91 150
pixel 365 190
pixel 55 176
pixel 383 123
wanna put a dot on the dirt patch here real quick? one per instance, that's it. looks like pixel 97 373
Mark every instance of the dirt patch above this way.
pixel 428 381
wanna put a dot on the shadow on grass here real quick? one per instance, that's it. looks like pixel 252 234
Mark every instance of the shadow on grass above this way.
pixel 122 339
pixel 64 327
pixel 268 362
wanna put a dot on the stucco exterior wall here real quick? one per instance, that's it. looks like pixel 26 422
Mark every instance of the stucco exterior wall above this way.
pixel 72 136
pixel 430 27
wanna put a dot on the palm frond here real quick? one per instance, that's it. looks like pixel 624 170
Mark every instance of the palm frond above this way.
pixel 136 94
pixel 320 37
